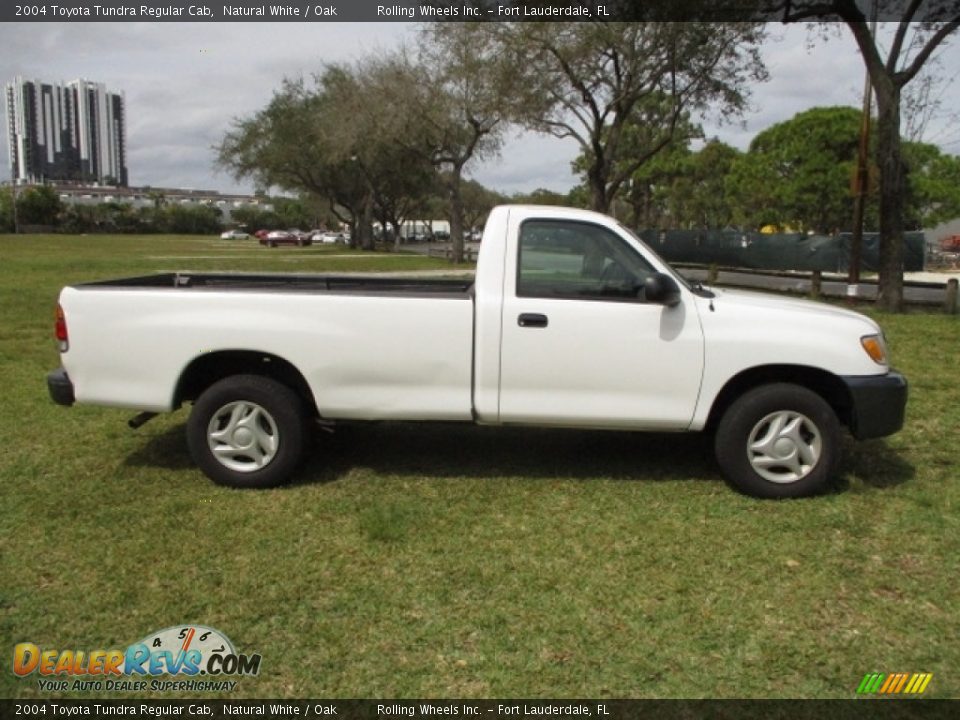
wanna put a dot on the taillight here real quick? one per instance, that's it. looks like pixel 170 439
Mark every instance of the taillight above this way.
pixel 60 330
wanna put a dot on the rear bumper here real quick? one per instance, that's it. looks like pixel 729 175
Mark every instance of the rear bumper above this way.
pixel 60 387
pixel 878 404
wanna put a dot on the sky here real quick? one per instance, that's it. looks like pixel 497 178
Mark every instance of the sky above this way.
pixel 185 82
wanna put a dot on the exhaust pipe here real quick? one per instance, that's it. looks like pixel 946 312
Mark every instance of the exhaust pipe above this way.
pixel 141 420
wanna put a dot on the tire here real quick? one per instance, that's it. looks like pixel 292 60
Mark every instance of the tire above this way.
pixel 778 441
pixel 247 431
pixel 271 244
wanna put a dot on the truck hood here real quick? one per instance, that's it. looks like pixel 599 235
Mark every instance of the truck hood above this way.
pixel 768 302
pixel 750 329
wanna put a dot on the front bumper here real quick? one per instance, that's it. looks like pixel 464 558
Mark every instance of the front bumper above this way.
pixel 60 387
pixel 878 404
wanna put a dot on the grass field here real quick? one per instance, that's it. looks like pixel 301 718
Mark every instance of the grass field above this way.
pixel 432 561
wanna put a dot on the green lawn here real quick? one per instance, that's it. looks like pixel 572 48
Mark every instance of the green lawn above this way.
pixel 431 561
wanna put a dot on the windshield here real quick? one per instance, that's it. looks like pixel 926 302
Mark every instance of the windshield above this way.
pixel 676 276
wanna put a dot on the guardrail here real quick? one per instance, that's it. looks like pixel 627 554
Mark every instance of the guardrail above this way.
pixel 817 283
pixel 469 254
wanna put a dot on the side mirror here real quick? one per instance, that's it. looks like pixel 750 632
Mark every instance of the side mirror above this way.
pixel 662 289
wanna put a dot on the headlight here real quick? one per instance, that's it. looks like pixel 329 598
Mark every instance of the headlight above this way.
pixel 875 348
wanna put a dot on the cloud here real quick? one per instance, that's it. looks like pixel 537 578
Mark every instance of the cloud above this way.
pixel 185 82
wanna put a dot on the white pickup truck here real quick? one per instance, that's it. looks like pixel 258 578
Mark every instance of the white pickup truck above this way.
pixel 571 321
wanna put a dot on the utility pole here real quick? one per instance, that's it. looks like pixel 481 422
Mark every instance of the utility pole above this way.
pixel 861 180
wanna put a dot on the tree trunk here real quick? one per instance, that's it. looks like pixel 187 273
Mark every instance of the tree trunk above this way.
pixel 890 287
pixel 456 214
pixel 366 224
pixel 596 179
pixel 354 225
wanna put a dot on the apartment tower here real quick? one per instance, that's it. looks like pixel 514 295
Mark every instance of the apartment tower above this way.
pixel 71 132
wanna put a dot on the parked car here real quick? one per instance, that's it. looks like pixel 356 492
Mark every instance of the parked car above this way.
pixel 327 237
pixel 284 237
pixel 300 235
pixel 571 321
pixel 234 235
pixel 261 235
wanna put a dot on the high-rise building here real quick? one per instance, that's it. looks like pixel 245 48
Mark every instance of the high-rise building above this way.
pixel 66 132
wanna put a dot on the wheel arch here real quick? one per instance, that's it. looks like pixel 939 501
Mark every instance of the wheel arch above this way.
pixel 825 384
pixel 204 370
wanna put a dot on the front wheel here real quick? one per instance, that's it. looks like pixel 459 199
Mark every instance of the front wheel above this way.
pixel 778 441
pixel 247 431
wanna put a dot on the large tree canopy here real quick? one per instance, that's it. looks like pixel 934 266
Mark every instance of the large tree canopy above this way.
pixel 324 140
pixel 593 82
pixel 448 103
pixel 293 144
pixel 798 173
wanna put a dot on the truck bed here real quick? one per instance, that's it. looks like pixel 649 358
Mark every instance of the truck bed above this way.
pixel 294 282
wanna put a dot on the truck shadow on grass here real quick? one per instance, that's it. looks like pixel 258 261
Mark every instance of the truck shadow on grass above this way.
pixel 873 463
pixel 455 451
pixel 466 451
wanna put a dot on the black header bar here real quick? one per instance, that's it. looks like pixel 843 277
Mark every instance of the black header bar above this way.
pixel 323 11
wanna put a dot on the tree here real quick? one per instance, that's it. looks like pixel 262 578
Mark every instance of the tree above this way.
pixel 650 190
pixel 295 143
pixel 449 104
pixel 326 140
pixel 78 218
pixel 6 209
pixel 404 189
pixel 911 46
pixel 708 201
pixel 189 220
pixel 651 193
pixel 39 205
pixel 478 201
pixel 922 102
pixel 255 218
pixel 291 213
pixel 594 81
pixel 798 172
pixel 932 187
pixel 542 196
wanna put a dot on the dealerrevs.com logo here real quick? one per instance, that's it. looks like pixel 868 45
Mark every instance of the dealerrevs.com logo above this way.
pixel 199 657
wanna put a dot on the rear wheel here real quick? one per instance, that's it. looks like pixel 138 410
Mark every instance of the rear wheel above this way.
pixel 778 441
pixel 247 431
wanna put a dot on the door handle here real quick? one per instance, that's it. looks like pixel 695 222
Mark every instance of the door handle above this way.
pixel 532 320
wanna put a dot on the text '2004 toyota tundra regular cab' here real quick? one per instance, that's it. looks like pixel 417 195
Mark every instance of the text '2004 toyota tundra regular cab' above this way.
pixel 571 322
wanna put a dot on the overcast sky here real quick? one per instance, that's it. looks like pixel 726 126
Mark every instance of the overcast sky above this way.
pixel 184 82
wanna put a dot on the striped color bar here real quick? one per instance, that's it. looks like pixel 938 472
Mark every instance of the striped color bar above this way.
pixel 894 683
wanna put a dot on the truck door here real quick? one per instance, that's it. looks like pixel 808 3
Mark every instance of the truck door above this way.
pixel 579 344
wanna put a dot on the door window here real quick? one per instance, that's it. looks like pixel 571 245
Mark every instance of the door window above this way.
pixel 577 260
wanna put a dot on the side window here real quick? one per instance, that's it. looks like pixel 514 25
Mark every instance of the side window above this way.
pixel 576 260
